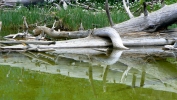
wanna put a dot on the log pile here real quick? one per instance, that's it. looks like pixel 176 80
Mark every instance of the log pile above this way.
pixel 147 30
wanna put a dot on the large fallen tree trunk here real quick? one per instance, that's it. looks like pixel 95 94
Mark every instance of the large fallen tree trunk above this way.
pixel 155 21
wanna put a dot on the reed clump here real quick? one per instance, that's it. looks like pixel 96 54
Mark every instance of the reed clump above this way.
pixel 71 18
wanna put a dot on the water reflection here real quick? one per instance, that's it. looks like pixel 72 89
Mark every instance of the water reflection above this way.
pixel 140 67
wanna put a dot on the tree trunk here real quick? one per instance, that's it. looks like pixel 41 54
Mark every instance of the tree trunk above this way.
pixel 155 21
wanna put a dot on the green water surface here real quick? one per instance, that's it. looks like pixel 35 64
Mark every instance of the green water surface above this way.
pixel 21 83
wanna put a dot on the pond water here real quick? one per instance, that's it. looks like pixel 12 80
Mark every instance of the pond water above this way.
pixel 141 73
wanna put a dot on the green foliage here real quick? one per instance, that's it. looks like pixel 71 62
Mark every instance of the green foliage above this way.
pixel 141 1
pixel 14 18
pixel 73 16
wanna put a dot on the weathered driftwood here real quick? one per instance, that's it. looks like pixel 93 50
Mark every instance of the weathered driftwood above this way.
pixel 105 32
pixel 84 43
pixel 129 39
pixel 74 43
pixel 153 22
pixel 28 42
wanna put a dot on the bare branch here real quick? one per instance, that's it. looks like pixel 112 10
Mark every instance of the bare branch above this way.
pixel 108 13
pixel 81 27
pixel 127 9
pixel 57 6
pixel 65 6
pixel 54 25
pixel 145 9
pixel 25 23
pixel 163 3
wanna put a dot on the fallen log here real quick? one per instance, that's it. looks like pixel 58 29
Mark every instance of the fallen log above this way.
pixel 155 21
pixel 28 42
pixel 105 32
pixel 89 42
pixel 74 43
pixel 129 39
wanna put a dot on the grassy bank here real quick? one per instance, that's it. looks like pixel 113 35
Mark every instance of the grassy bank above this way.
pixel 71 18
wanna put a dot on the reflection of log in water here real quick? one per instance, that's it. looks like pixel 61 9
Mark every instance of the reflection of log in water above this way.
pixel 133 80
pixel 142 77
pixel 147 77
pixel 91 80
pixel 105 73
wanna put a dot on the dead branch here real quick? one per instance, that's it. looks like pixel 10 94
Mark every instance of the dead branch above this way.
pixel 25 23
pixel 108 13
pixel 65 6
pixel 57 6
pixel 127 8
pixel 145 9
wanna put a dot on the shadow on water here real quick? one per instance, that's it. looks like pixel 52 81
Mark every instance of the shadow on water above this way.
pixel 89 73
